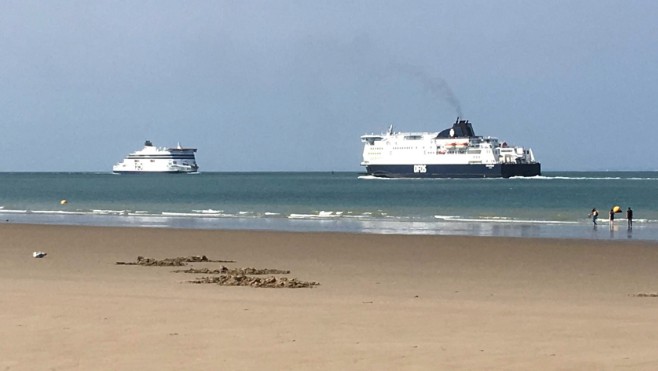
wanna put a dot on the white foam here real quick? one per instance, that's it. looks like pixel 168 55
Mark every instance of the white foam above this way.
pixel 14 211
pixel 358 216
pixel 198 215
pixel 319 215
pixel 446 217
pixel 543 177
pixel 109 212
pixel 208 211
pixel 56 212
pixel 167 213
pixel 301 216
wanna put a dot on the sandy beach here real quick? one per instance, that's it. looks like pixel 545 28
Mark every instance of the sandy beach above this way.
pixel 384 302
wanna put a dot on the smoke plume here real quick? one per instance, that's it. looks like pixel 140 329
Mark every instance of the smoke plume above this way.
pixel 435 85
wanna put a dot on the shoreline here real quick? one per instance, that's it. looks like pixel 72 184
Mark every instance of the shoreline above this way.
pixel 383 301
pixel 647 231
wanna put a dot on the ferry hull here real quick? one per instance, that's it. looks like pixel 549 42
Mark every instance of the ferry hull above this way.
pixel 454 171
pixel 158 160
pixel 152 172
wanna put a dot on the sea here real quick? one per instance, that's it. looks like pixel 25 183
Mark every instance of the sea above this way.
pixel 554 205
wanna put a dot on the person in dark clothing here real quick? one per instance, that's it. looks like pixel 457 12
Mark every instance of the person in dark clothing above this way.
pixel 629 217
pixel 595 215
pixel 612 217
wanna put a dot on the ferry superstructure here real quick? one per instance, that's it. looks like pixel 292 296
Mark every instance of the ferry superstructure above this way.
pixel 455 152
pixel 151 159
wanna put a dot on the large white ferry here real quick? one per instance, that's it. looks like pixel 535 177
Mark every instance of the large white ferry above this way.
pixel 452 153
pixel 151 159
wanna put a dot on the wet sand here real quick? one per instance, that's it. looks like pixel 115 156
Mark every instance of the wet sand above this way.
pixel 384 302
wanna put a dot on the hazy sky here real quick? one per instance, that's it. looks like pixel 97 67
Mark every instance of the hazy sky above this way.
pixel 292 85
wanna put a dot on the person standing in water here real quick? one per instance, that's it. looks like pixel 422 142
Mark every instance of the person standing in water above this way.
pixel 629 217
pixel 594 215
pixel 612 217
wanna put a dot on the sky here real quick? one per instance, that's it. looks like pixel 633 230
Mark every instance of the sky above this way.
pixel 292 85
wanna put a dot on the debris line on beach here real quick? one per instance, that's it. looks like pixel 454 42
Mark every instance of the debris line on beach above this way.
pixel 243 280
pixel 173 262
pixel 646 295
pixel 225 276
pixel 235 271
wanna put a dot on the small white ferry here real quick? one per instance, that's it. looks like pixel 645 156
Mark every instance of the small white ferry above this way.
pixel 151 159
pixel 455 152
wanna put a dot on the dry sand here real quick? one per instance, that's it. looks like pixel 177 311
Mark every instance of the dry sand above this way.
pixel 384 302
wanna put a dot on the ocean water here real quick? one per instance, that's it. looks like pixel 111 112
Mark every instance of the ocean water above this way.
pixel 553 205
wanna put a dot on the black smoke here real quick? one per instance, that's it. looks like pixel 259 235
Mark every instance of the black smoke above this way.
pixel 437 86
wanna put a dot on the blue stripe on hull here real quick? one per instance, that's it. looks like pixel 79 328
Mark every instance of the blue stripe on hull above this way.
pixel 454 171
